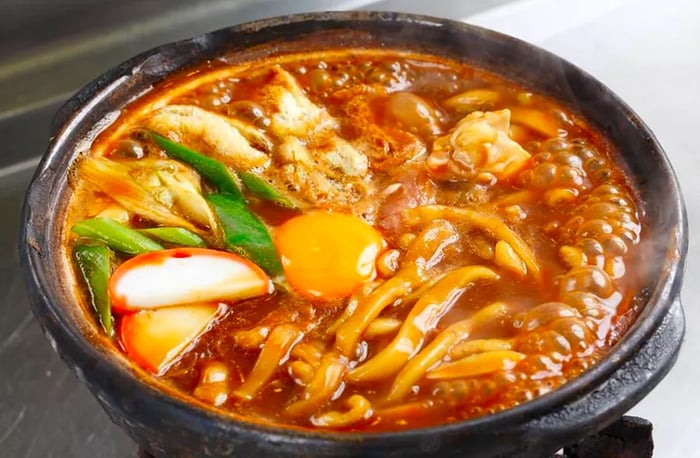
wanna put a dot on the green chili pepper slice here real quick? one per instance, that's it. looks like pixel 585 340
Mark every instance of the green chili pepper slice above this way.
pixel 175 236
pixel 212 170
pixel 245 234
pixel 95 264
pixel 264 190
pixel 117 236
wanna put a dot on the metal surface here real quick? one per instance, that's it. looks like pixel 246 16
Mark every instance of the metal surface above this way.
pixel 647 55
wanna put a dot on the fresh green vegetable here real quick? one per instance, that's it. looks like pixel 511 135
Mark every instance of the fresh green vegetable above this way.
pixel 261 188
pixel 245 234
pixel 175 236
pixel 95 264
pixel 211 169
pixel 115 235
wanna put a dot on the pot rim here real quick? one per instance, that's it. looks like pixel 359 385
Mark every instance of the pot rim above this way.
pixel 34 259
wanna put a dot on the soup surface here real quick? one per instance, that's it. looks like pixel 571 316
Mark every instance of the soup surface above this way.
pixel 356 240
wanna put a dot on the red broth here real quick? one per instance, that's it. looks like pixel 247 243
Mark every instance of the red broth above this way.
pixel 513 229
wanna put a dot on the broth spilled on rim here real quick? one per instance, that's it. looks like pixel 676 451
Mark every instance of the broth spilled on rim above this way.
pixel 362 240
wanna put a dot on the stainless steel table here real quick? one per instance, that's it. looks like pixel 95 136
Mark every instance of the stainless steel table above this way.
pixel 644 50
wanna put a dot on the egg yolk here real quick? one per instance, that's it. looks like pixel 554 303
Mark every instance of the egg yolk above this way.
pixel 328 255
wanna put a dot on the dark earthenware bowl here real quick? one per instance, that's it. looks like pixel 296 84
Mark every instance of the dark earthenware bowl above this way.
pixel 168 426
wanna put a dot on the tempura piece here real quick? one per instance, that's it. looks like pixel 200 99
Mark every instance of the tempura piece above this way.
pixel 295 115
pixel 300 173
pixel 316 163
pixel 480 142
pixel 341 157
pixel 209 133
pixel 256 137
pixel 385 144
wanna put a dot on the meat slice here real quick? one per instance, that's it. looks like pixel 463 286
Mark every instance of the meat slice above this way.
pixel 480 142
pixel 412 189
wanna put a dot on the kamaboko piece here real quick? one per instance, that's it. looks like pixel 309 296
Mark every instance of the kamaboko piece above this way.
pixel 154 338
pixel 184 276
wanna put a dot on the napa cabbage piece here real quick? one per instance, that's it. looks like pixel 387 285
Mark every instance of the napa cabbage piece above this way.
pixel 480 142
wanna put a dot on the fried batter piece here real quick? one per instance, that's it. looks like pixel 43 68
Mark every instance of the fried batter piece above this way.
pixel 320 180
pixel 225 138
pixel 316 163
pixel 292 112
